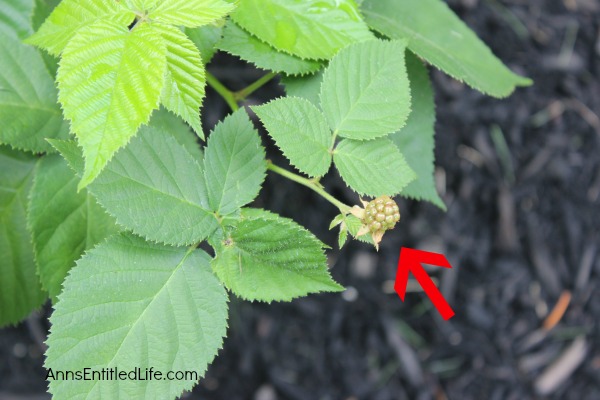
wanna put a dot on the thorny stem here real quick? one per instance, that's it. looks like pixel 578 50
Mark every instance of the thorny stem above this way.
pixel 344 209
pixel 247 91
pixel 232 99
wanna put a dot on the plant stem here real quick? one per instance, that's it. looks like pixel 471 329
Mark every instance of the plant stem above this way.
pixel 247 91
pixel 225 93
pixel 344 209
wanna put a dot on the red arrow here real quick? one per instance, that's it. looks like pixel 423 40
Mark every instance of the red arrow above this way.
pixel 410 261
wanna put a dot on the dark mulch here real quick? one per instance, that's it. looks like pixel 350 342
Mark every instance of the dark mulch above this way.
pixel 521 229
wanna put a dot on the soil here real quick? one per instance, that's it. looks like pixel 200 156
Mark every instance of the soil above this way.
pixel 521 230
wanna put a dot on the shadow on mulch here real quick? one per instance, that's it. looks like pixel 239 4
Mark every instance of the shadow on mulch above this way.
pixel 521 178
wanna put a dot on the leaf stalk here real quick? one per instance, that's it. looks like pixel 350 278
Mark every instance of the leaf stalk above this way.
pixel 316 187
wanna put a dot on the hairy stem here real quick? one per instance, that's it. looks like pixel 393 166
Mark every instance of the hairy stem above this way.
pixel 225 93
pixel 247 91
pixel 344 209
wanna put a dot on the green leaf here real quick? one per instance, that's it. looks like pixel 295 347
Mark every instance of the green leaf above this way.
pixel 416 139
pixel 240 43
pixel 308 87
pixel 20 291
pixel 235 164
pixel 337 221
pixel 272 259
pixel 373 168
pixel 205 38
pixel 343 236
pixel 130 304
pixel 110 80
pixel 70 16
pixel 300 131
pixel 29 112
pixel 63 223
pixel 41 10
pixel 190 13
pixel 153 187
pixel 170 124
pixel 354 225
pixel 183 90
pixel 314 29
pixel 15 18
pixel 439 36
pixel 365 92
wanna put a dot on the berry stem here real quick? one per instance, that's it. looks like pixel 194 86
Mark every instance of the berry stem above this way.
pixel 344 209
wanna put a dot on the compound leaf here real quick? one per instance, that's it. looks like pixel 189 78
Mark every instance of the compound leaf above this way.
pixel 110 80
pixel 375 100
pixel 29 112
pixel 131 304
pixel 272 259
pixel 170 124
pixel 239 42
pixel 72 15
pixel 235 164
pixel 416 139
pixel 20 290
pixel 314 29
pixel 183 90
pixel 439 36
pixel 373 168
pixel 190 13
pixel 63 223
pixel 153 187
pixel 300 131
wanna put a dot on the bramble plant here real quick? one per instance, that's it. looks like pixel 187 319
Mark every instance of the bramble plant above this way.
pixel 106 193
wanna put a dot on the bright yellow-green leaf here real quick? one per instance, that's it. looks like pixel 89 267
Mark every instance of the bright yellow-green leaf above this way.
pixel 190 13
pixel 185 80
pixel 72 15
pixel 110 80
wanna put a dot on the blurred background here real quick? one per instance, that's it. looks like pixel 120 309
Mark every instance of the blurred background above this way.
pixel 521 179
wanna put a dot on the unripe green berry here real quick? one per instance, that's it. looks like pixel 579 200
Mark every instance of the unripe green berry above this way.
pixel 381 215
